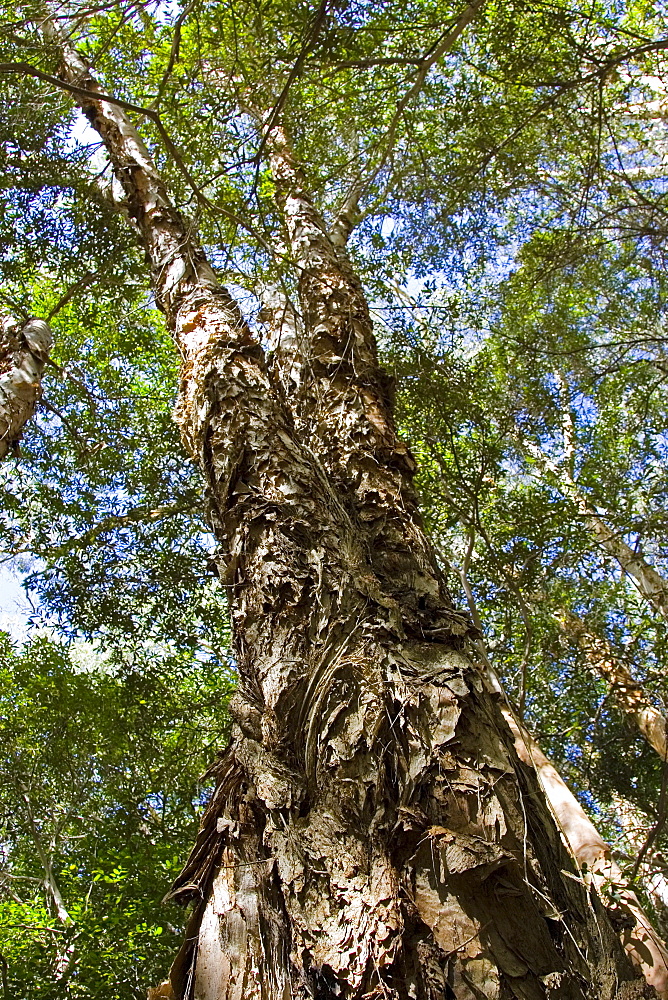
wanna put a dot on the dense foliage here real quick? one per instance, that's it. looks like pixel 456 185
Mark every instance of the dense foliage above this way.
pixel 99 801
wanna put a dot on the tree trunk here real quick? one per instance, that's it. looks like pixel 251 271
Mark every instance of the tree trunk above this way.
pixel 650 584
pixel 593 855
pixel 627 692
pixel 372 830
pixel 23 354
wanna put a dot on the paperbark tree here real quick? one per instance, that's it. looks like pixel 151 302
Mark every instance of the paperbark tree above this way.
pixel 372 831
pixel 626 690
pixel 649 583
pixel 23 353
pixel 593 854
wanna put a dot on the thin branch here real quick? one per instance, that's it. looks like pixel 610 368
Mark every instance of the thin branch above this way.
pixel 127 15
pixel 658 826
pixel 292 76
pixel 135 516
pixel 93 95
pixel 344 223
pixel 68 295
pixel 38 927
pixel 565 87
pixel 174 53
pixel 381 61
pixel 81 441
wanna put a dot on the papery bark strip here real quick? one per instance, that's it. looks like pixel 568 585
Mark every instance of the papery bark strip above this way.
pixel 24 351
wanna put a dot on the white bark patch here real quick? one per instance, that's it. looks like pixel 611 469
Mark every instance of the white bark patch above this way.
pixel 23 354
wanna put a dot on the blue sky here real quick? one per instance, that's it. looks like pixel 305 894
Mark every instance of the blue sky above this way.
pixel 15 608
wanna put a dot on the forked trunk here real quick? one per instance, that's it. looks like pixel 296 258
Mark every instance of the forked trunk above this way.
pixel 372 830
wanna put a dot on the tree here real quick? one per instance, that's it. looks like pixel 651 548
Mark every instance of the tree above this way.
pixel 372 829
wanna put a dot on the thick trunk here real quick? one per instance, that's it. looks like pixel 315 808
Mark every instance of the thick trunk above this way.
pixel 650 584
pixel 23 354
pixel 372 831
pixel 628 693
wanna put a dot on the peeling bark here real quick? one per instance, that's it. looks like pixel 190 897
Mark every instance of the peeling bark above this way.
pixel 594 856
pixel 23 354
pixel 372 831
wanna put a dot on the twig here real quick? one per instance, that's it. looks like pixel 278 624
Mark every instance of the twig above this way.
pixel 468 940
pixel 68 295
pixel 174 53
pixel 436 52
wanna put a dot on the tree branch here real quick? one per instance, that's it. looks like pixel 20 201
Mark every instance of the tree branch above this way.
pixel 292 76
pixel 345 221
pixel 174 53
pixel 93 95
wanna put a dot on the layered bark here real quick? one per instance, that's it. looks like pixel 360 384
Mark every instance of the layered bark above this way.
pixel 592 853
pixel 596 863
pixel 372 831
pixel 24 351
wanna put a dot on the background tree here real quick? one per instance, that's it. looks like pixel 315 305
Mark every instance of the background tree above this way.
pixel 101 756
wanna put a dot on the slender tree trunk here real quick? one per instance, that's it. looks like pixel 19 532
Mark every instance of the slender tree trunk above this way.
pixel 372 831
pixel 23 354
pixel 627 692
pixel 65 948
pixel 651 585
pixel 592 853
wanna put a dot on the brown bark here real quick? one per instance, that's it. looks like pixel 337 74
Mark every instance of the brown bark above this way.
pixel 628 693
pixel 593 855
pixel 372 831
pixel 23 354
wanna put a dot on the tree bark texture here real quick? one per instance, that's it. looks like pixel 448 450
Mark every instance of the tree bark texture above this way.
pixel 593 855
pixel 372 830
pixel 641 942
pixel 23 353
